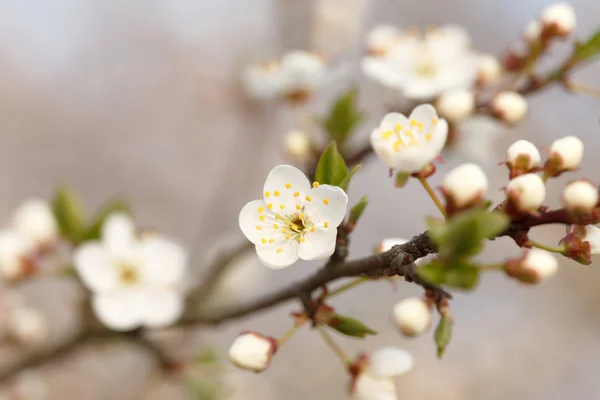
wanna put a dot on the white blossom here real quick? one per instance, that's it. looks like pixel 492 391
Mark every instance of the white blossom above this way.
pixel 559 18
pixel 526 191
pixel 297 144
pixel 15 254
pixel 35 219
pixel 27 325
pixel 375 379
pixel 465 184
pixel 382 38
pixel 489 70
pixel 293 220
pixel 592 235
pixel 252 351
pixel 412 316
pixel 456 105
pixel 533 30
pixel 580 195
pixel 523 152
pixel 509 106
pixel 568 151
pixel 423 67
pixel 409 144
pixel 135 281
pixel 540 265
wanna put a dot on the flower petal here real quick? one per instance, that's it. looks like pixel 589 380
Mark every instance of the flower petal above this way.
pixel 162 308
pixel 370 388
pixel 388 362
pixel 120 311
pixel 35 219
pixel 425 114
pixel 257 222
pixel 118 233
pixel 382 70
pixel 438 138
pixel 592 235
pixel 14 246
pixel 318 245
pixel 279 254
pixel 285 188
pixel 164 262
pixel 95 267
pixel 327 207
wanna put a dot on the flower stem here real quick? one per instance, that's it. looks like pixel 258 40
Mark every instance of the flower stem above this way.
pixel 288 334
pixel 433 196
pixel 333 346
pixel 560 249
pixel 583 89
pixel 348 286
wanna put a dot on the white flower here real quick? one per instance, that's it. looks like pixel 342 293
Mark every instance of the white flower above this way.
pixel 381 38
pixel 527 192
pixel 490 69
pixel 293 220
pixel 252 351
pixel 35 219
pixel 15 255
pixel 412 316
pixel 510 107
pixel 374 381
pixel 261 81
pixel 135 282
pixel 409 144
pixel 539 265
pixel 523 156
pixel 297 143
pixel 580 195
pixel 422 68
pixel 592 235
pixel 533 30
pixel 559 18
pixel 568 152
pixel 465 184
pixel 455 105
pixel 27 325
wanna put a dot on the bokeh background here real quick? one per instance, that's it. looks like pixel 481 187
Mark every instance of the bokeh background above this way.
pixel 142 98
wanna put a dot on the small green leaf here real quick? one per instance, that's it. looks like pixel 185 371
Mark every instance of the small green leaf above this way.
pixel 343 116
pixel 462 276
pixel 443 334
pixel 208 356
pixel 587 49
pixel 68 210
pixel 344 183
pixel 434 273
pixel 401 179
pixel 350 326
pixel 357 210
pixel 331 168
pixel 493 223
pixel 93 231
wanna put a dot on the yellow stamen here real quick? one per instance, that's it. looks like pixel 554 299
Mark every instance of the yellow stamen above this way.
pixel 298 207
pixel 288 185
pixel 281 206
pixel 260 209
pixel 258 227
pixel 301 240
pixel 398 144
pixel 386 135
pixel 428 137
pixel 262 217
pixel 435 121
pixel 315 184
pixel 267 194
pixel 326 201
pixel 270 206
pixel 271 240
pixel 313 228
pixel 411 138
pixel 300 216
pixel 263 240
pixel 276 193
pixel 294 227
pixel 283 230
pixel 275 226
pixel 296 194
pixel 308 198
pixel 398 128
pixel 288 236
pixel 279 250
pixel 326 224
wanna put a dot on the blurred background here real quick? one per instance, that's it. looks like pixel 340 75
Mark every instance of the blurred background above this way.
pixel 142 98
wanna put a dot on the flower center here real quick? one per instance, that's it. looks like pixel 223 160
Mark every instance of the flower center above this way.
pixel 295 226
pixel 128 274
pixel 409 136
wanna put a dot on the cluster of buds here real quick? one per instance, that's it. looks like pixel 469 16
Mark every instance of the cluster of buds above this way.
pixel 252 351
pixel 464 187
pixel 535 266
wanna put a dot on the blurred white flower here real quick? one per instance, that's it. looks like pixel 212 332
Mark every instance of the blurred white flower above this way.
pixel 16 255
pixel 382 38
pixel 410 144
pixel 533 30
pixel 297 144
pixel 559 19
pixel 580 195
pixel 423 67
pixel 490 69
pixel 135 282
pixel 252 351
pixel 412 316
pixel 456 105
pixel 35 219
pixel 293 220
pixel 374 380
pixel 295 77
pixel 526 192
pixel 510 107
pixel 464 185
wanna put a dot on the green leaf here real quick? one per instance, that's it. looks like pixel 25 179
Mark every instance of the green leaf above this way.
pixel 350 326
pixel 493 223
pixel 462 276
pixel 443 334
pixel 434 273
pixel 68 210
pixel 331 168
pixel 208 356
pixel 590 48
pixel 401 179
pixel 357 210
pixel 343 116
pixel 93 230
pixel 344 183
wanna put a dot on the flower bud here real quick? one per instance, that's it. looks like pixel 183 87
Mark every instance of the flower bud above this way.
pixel 28 326
pixel 558 20
pixel 522 157
pixel 464 186
pixel 525 192
pixel 580 196
pixel 252 351
pixel 508 106
pixel 534 267
pixel 581 243
pixel 297 144
pixel 456 105
pixel 412 316
pixel 381 38
pixel 35 220
pixel 565 155
pixel 533 31
pixel 490 69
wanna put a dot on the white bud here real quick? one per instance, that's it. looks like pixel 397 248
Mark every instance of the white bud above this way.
pixel 382 38
pixel 35 219
pixel 570 151
pixel 510 107
pixel 297 143
pixel 559 18
pixel 412 316
pixel 523 150
pixel 456 105
pixel 490 69
pixel 539 264
pixel 14 251
pixel 465 184
pixel 533 31
pixel 527 191
pixel 580 195
pixel 252 351
pixel 28 326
